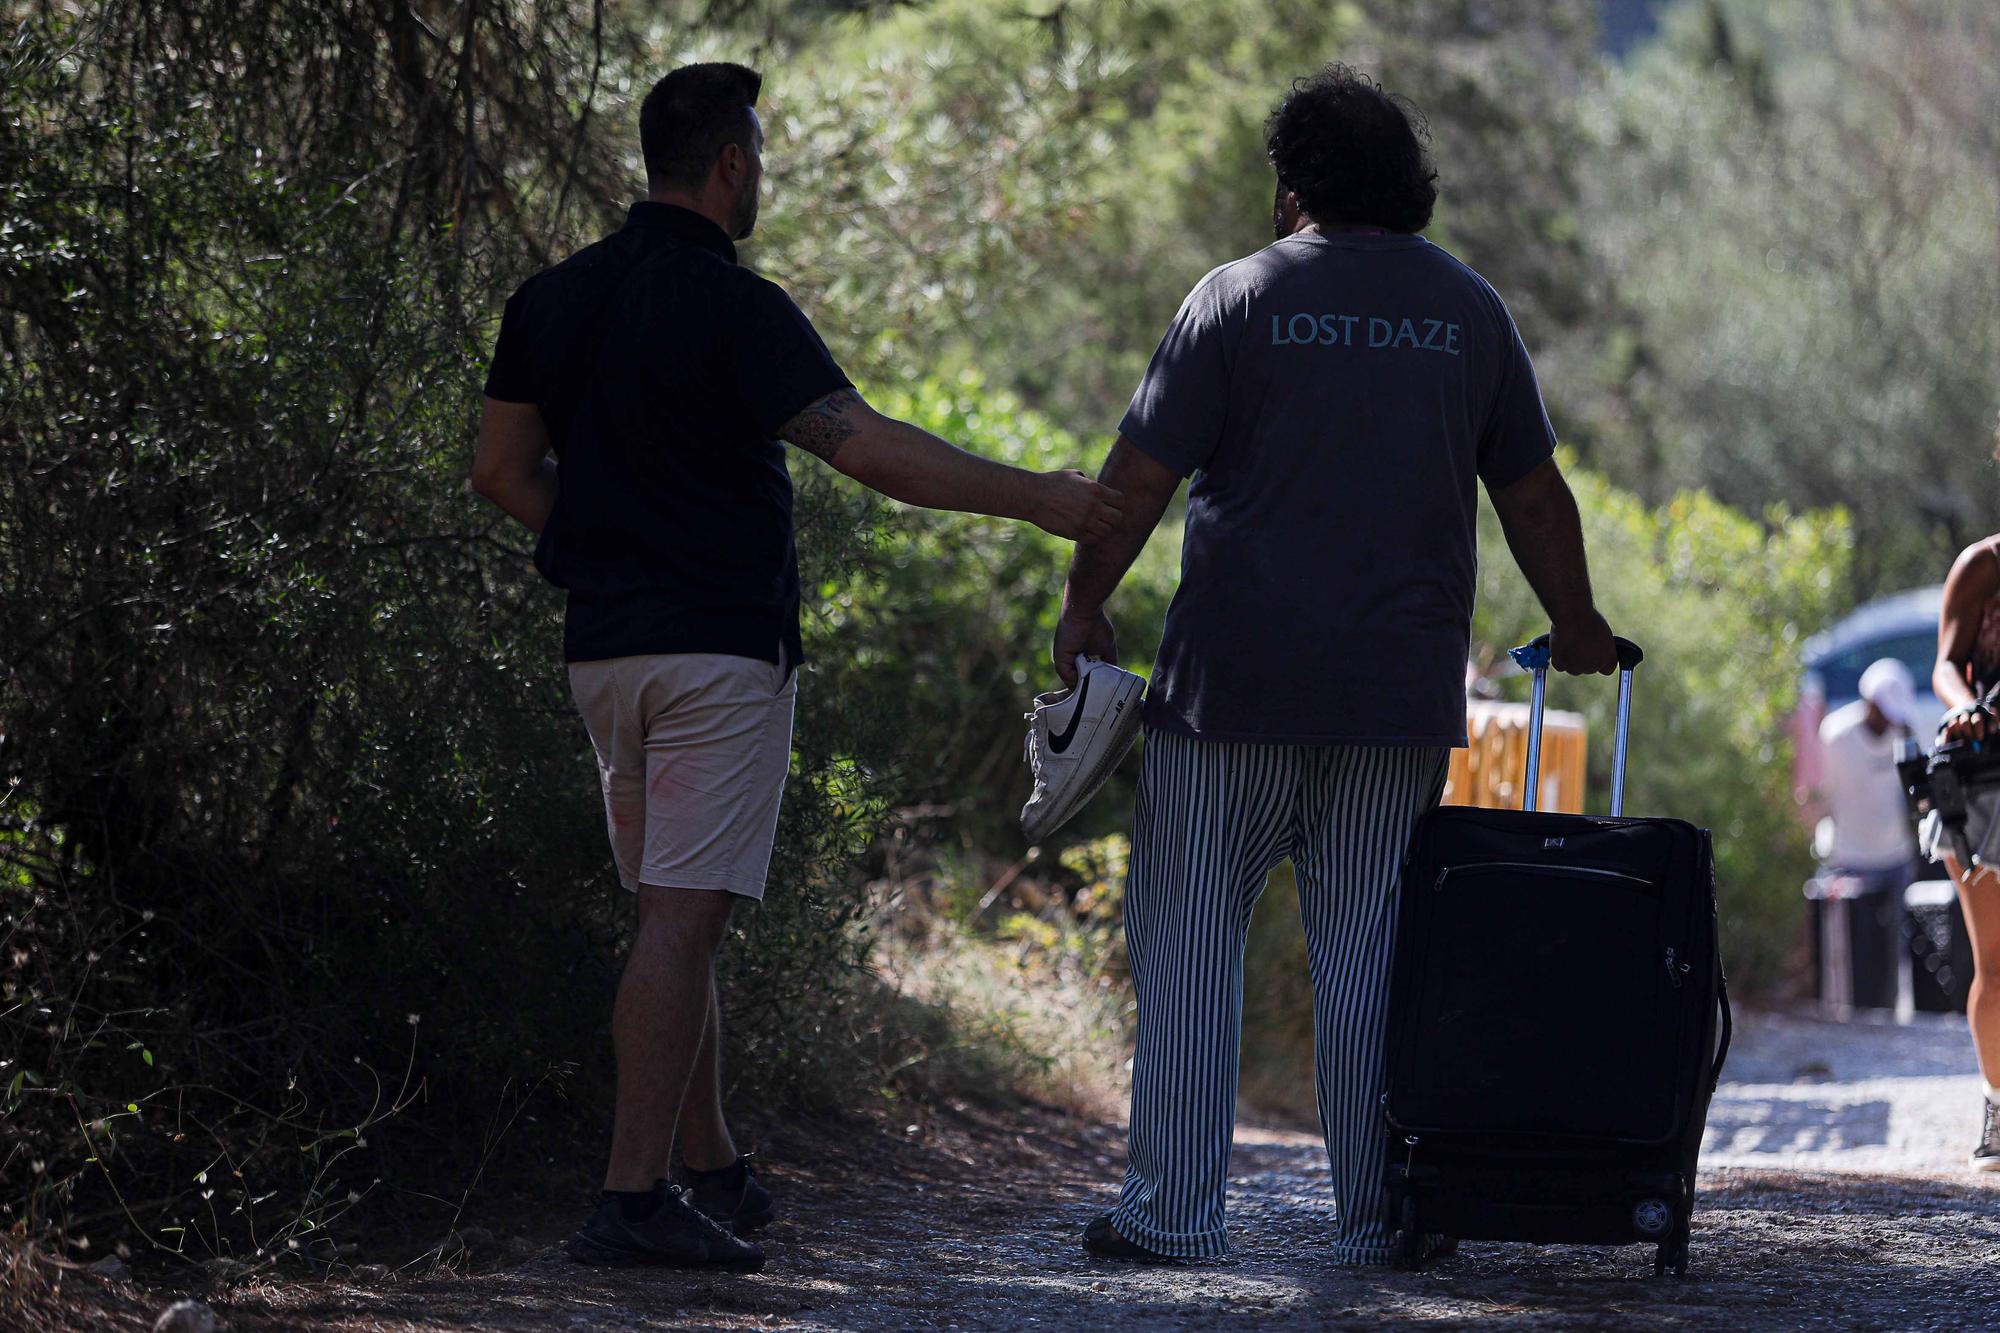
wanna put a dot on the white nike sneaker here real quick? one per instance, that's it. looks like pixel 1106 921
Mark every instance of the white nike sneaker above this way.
pixel 1075 739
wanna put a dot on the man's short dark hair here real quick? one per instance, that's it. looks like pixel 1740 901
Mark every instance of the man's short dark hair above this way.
pixel 690 115
pixel 1352 153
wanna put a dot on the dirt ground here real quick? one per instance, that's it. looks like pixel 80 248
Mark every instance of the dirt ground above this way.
pixel 1833 1196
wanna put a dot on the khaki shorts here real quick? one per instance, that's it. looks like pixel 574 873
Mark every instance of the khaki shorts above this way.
pixel 693 749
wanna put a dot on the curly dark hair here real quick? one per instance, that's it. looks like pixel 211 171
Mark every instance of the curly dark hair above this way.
pixel 1353 153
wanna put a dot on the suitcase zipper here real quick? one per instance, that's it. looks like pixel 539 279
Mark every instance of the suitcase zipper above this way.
pixel 1676 969
pixel 1583 872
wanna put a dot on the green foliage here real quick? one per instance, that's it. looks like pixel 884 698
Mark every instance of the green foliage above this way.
pixel 267 671
pixel 949 627
pixel 933 168
pixel 291 753
pixel 1797 203
pixel 924 173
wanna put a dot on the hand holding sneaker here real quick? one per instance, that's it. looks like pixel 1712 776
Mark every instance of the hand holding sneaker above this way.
pixel 1086 636
pixel 1075 739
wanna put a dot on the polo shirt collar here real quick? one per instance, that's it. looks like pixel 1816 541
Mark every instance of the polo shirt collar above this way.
pixel 684 223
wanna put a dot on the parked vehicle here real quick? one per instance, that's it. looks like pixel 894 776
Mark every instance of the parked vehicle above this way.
pixel 1903 626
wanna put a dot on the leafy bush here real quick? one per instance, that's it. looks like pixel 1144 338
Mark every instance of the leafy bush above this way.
pixel 300 812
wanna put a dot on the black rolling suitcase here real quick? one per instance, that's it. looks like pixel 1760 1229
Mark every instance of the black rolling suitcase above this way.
pixel 1557 1022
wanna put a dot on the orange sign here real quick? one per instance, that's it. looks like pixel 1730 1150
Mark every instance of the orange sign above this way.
pixel 1490 772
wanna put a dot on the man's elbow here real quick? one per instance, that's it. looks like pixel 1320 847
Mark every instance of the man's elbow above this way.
pixel 487 480
pixel 860 458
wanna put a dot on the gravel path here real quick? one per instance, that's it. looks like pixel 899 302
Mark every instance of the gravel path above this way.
pixel 1833 1196
pixel 1813 1095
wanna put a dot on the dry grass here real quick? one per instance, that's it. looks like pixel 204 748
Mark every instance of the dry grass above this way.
pixel 40 1293
pixel 1055 1032
pixel 1029 975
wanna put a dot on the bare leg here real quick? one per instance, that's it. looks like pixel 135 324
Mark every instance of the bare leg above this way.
pixel 705 1141
pixel 658 1025
pixel 1980 899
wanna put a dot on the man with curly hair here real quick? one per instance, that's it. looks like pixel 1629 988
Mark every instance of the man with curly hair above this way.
pixel 1336 397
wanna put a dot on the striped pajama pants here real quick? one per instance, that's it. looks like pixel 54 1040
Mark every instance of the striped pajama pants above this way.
pixel 1212 820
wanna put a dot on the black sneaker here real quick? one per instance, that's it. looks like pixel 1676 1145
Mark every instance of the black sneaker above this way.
pixel 730 1195
pixel 676 1235
pixel 1986 1157
pixel 1437 1246
pixel 1102 1239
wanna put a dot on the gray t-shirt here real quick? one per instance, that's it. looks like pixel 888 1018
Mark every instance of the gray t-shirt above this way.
pixel 1334 398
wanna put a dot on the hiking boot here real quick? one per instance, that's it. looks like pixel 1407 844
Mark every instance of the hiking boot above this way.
pixel 1075 739
pixel 1986 1157
pixel 1100 1238
pixel 675 1234
pixel 730 1195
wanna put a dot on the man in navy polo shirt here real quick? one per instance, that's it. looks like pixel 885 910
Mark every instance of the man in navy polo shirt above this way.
pixel 663 376
pixel 1337 398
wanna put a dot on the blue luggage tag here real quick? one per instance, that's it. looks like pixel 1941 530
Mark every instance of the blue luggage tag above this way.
pixel 1532 656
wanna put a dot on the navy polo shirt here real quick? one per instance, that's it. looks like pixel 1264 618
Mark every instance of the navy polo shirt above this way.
pixel 664 371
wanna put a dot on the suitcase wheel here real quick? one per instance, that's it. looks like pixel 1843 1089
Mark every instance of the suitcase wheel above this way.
pixel 1653 1218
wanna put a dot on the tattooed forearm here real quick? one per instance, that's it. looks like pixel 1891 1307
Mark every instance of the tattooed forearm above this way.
pixel 821 429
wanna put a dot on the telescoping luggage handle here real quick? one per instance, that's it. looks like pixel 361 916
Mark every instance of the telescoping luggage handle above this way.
pixel 1534 656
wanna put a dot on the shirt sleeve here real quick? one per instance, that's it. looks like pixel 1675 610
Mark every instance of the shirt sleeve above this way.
pixel 1518 437
pixel 1177 414
pixel 511 377
pixel 778 362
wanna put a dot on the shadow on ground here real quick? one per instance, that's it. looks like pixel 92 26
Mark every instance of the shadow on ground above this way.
pixel 977 1249
pixel 969 1219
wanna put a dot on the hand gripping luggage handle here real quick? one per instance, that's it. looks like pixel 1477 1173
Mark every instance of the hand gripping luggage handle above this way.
pixel 1534 656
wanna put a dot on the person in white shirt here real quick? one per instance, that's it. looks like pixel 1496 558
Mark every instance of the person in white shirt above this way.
pixel 1871 827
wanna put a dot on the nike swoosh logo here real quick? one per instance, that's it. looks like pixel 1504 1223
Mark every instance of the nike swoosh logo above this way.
pixel 1059 742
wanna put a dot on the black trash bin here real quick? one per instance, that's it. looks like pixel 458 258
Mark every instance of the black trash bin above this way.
pixel 1939 951
pixel 1858 943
